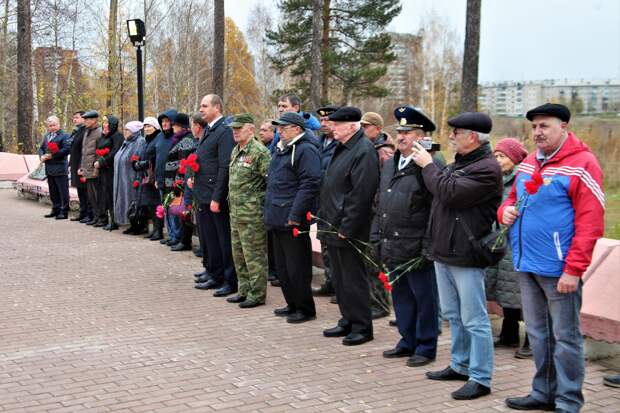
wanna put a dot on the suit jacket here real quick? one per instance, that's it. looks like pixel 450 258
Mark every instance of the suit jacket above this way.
pixel 214 149
pixel 75 156
pixel 58 165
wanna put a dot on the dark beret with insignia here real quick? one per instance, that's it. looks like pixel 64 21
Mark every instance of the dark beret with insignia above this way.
pixel 409 118
pixel 90 114
pixel 475 121
pixel 346 114
pixel 327 110
pixel 550 109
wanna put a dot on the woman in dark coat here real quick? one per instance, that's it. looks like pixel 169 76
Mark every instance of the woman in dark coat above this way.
pixel 145 166
pixel 125 176
pixel 502 282
pixel 110 141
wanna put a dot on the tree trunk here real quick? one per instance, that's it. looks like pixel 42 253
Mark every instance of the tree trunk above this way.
pixel 24 77
pixel 218 48
pixel 3 61
pixel 325 48
pixel 317 39
pixel 469 82
pixel 112 66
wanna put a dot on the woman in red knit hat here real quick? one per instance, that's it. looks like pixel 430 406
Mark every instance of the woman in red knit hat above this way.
pixel 502 282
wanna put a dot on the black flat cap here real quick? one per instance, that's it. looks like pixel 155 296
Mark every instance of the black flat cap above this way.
pixel 549 109
pixel 90 114
pixel 476 121
pixel 410 118
pixel 290 118
pixel 327 110
pixel 346 114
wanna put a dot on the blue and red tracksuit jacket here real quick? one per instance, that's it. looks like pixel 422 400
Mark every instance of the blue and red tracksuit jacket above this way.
pixel 558 225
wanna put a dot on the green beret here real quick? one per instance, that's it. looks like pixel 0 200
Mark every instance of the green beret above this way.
pixel 241 119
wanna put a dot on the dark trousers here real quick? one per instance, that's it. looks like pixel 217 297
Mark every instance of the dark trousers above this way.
pixel 214 234
pixel 59 193
pixel 294 263
pixel 106 192
pixel 415 304
pixel 85 209
pixel 92 187
pixel 328 272
pixel 352 289
pixel 271 259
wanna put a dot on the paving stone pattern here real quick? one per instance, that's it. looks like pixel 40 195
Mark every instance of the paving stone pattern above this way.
pixel 92 321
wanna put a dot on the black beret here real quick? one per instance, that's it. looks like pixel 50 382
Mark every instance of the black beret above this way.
pixel 475 121
pixel 409 118
pixel 346 114
pixel 550 109
pixel 290 118
pixel 90 114
pixel 327 110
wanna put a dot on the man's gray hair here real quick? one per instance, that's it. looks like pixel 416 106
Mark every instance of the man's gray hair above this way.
pixel 53 119
pixel 199 120
pixel 483 137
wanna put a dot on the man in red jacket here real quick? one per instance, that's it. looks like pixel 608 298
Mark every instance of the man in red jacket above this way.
pixel 555 211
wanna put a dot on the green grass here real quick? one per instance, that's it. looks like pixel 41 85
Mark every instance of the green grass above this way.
pixel 612 213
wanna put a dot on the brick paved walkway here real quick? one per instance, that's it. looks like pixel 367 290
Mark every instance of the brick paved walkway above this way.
pixel 93 321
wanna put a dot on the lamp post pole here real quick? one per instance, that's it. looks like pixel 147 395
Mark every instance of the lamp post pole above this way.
pixel 140 84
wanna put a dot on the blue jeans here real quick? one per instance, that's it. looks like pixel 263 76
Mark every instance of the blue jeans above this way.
pixel 552 324
pixel 464 304
pixel 173 223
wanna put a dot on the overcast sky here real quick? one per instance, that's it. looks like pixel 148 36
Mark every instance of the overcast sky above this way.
pixel 520 39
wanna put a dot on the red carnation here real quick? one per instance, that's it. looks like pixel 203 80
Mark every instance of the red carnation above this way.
pixel 194 165
pixel 136 184
pixel 383 277
pixel 182 169
pixel 388 287
pixel 192 157
pixel 533 185
pixel 295 232
pixel 82 179
pixel 178 182
pixel 52 147
pixel 102 152
pixel 134 157
pixel 308 216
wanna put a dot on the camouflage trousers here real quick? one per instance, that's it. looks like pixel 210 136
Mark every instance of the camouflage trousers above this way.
pixel 249 250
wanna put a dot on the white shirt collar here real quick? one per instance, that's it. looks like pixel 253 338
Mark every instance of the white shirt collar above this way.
pixel 404 161
pixel 216 119
pixel 295 139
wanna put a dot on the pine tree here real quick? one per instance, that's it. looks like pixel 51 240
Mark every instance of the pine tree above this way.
pixel 355 54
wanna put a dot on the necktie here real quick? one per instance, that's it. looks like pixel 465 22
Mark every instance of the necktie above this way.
pixel 401 163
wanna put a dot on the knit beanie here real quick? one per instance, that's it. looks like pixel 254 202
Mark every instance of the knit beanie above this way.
pixel 152 121
pixel 512 148
pixel 134 126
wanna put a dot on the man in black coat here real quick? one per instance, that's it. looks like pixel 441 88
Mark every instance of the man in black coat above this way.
pixel 327 146
pixel 466 195
pixel 210 190
pixel 347 193
pixel 53 151
pixel 75 160
pixel 292 186
pixel 399 228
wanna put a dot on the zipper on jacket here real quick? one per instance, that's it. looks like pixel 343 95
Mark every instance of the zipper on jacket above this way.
pixel 518 266
pixel 558 246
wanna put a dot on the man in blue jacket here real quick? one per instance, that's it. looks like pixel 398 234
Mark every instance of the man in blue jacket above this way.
pixel 56 167
pixel 293 184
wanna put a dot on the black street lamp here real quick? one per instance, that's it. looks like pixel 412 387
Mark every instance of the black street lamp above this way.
pixel 137 32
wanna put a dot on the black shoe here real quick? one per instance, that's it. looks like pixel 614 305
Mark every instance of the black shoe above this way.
pixel 149 235
pixel 52 214
pixel 129 231
pixel 93 221
pixel 85 220
pixel 500 342
pixel 272 276
pixel 337 331
pixel 201 273
pixel 157 237
pixel 471 390
pixel 612 381
pixel 165 241
pixel 392 323
pixel 180 247
pixel 355 339
pixel 276 283
pixel 283 312
pixel 224 291
pixel 376 313
pixel 333 300
pixel 561 411
pixel 100 224
pixel 418 361
pixel 324 290
pixel 523 353
pixel 250 304
pixel 111 227
pixel 78 218
pixel 236 299
pixel 208 285
pixel 198 253
pixel 203 279
pixel 397 352
pixel 298 317
pixel 61 216
pixel 528 403
pixel 446 374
